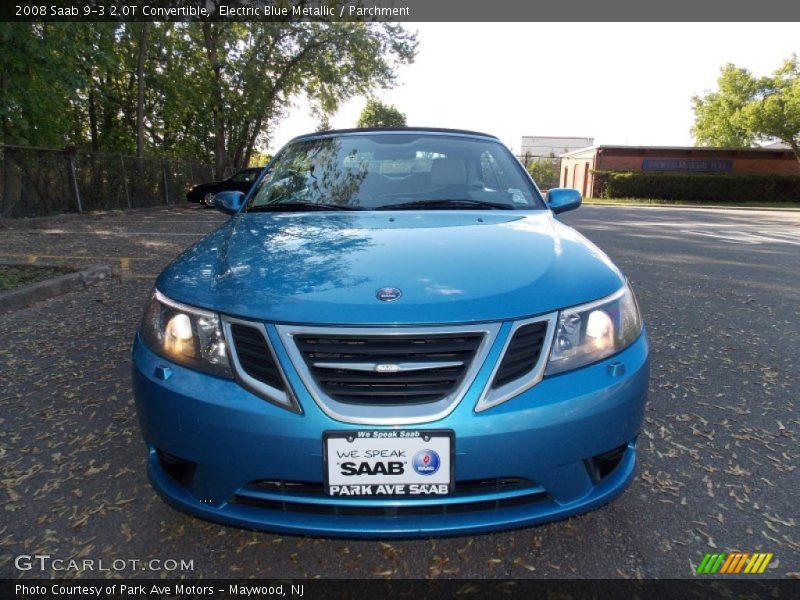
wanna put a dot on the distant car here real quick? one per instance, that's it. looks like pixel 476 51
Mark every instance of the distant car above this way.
pixel 239 182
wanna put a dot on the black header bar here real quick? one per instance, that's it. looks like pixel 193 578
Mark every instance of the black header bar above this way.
pixel 710 588
pixel 402 10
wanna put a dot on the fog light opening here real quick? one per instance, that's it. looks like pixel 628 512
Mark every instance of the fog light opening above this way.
pixel 602 465
pixel 179 469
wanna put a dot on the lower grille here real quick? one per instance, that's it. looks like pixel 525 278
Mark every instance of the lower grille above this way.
pixel 391 511
pixel 297 497
pixel 462 488
pixel 388 370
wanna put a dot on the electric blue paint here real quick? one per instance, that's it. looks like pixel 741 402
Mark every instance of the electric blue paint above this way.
pixel 324 268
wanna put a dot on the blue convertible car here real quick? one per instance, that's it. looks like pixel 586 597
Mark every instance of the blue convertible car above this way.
pixel 391 336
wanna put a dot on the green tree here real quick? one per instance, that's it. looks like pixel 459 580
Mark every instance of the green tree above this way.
pixel 378 114
pixel 38 76
pixel 254 71
pixel 747 109
pixel 545 172
pixel 211 91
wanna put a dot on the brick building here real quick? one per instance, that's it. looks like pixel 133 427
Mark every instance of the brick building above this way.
pixel 577 166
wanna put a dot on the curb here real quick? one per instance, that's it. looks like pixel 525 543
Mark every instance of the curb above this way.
pixel 50 288
pixel 690 206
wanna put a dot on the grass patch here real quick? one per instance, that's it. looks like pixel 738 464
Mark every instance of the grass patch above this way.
pixel 660 202
pixel 13 276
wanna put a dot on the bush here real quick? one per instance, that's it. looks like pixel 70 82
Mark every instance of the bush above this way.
pixel 698 187
pixel 545 172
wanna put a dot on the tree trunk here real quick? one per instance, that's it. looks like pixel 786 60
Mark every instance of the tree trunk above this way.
pixel 210 35
pixel 251 142
pixel 795 148
pixel 108 112
pixel 140 89
pixel 5 129
pixel 93 118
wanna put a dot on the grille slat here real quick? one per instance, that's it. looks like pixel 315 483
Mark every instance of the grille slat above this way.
pixel 522 353
pixel 389 390
pixel 462 487
pixel 294 493
pixel 417 386
pixel 457 347
pixel 336 376
pixel 255 356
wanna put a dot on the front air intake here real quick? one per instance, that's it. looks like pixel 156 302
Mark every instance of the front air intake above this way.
pixel 522 353
pixel 254 355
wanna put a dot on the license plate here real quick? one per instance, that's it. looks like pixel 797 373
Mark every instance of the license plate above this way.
pixel 393 462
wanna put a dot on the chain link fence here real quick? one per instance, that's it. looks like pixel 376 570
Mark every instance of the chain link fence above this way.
pixel 37 182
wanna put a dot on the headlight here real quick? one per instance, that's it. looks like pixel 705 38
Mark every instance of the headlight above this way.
pixel 591 332
pixel 189 336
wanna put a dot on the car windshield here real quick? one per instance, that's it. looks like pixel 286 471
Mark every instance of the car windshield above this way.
pixel 395 171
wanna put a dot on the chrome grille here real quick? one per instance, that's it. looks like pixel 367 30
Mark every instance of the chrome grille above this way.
pixel 388 375
pixel 388 370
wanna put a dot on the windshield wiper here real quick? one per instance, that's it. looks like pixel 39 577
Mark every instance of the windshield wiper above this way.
pixel 299 207
pixel 453 203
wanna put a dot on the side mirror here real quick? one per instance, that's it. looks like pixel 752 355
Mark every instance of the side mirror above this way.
pixel 563 199
pixel 229 201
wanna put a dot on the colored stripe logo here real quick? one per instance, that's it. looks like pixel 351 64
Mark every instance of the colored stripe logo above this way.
pixel 735 562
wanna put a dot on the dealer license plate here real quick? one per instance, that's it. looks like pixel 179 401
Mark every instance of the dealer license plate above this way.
pixel 394 462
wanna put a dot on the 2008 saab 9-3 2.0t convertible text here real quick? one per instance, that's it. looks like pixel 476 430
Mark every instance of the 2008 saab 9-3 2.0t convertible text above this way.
pixel 391 336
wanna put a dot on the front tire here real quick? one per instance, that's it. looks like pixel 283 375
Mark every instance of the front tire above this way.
pixel 208 200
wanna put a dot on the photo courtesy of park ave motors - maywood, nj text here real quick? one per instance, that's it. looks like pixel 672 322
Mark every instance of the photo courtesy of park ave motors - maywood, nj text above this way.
pixel 321 304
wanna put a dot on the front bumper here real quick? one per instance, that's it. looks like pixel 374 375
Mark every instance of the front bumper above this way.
pixel 209 440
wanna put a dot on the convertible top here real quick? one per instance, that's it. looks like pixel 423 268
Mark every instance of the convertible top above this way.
pixel 334 132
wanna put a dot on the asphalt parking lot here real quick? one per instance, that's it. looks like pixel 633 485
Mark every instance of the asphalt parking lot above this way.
pixel 719 454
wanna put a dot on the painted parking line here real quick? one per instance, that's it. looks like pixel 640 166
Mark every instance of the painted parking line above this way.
pixel 746 237
pixel 723 237
pixel 788 236
pixel 149 221
pixel 35 257
pixel 123 261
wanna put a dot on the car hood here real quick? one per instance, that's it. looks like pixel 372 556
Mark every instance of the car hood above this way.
pixel 451 267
